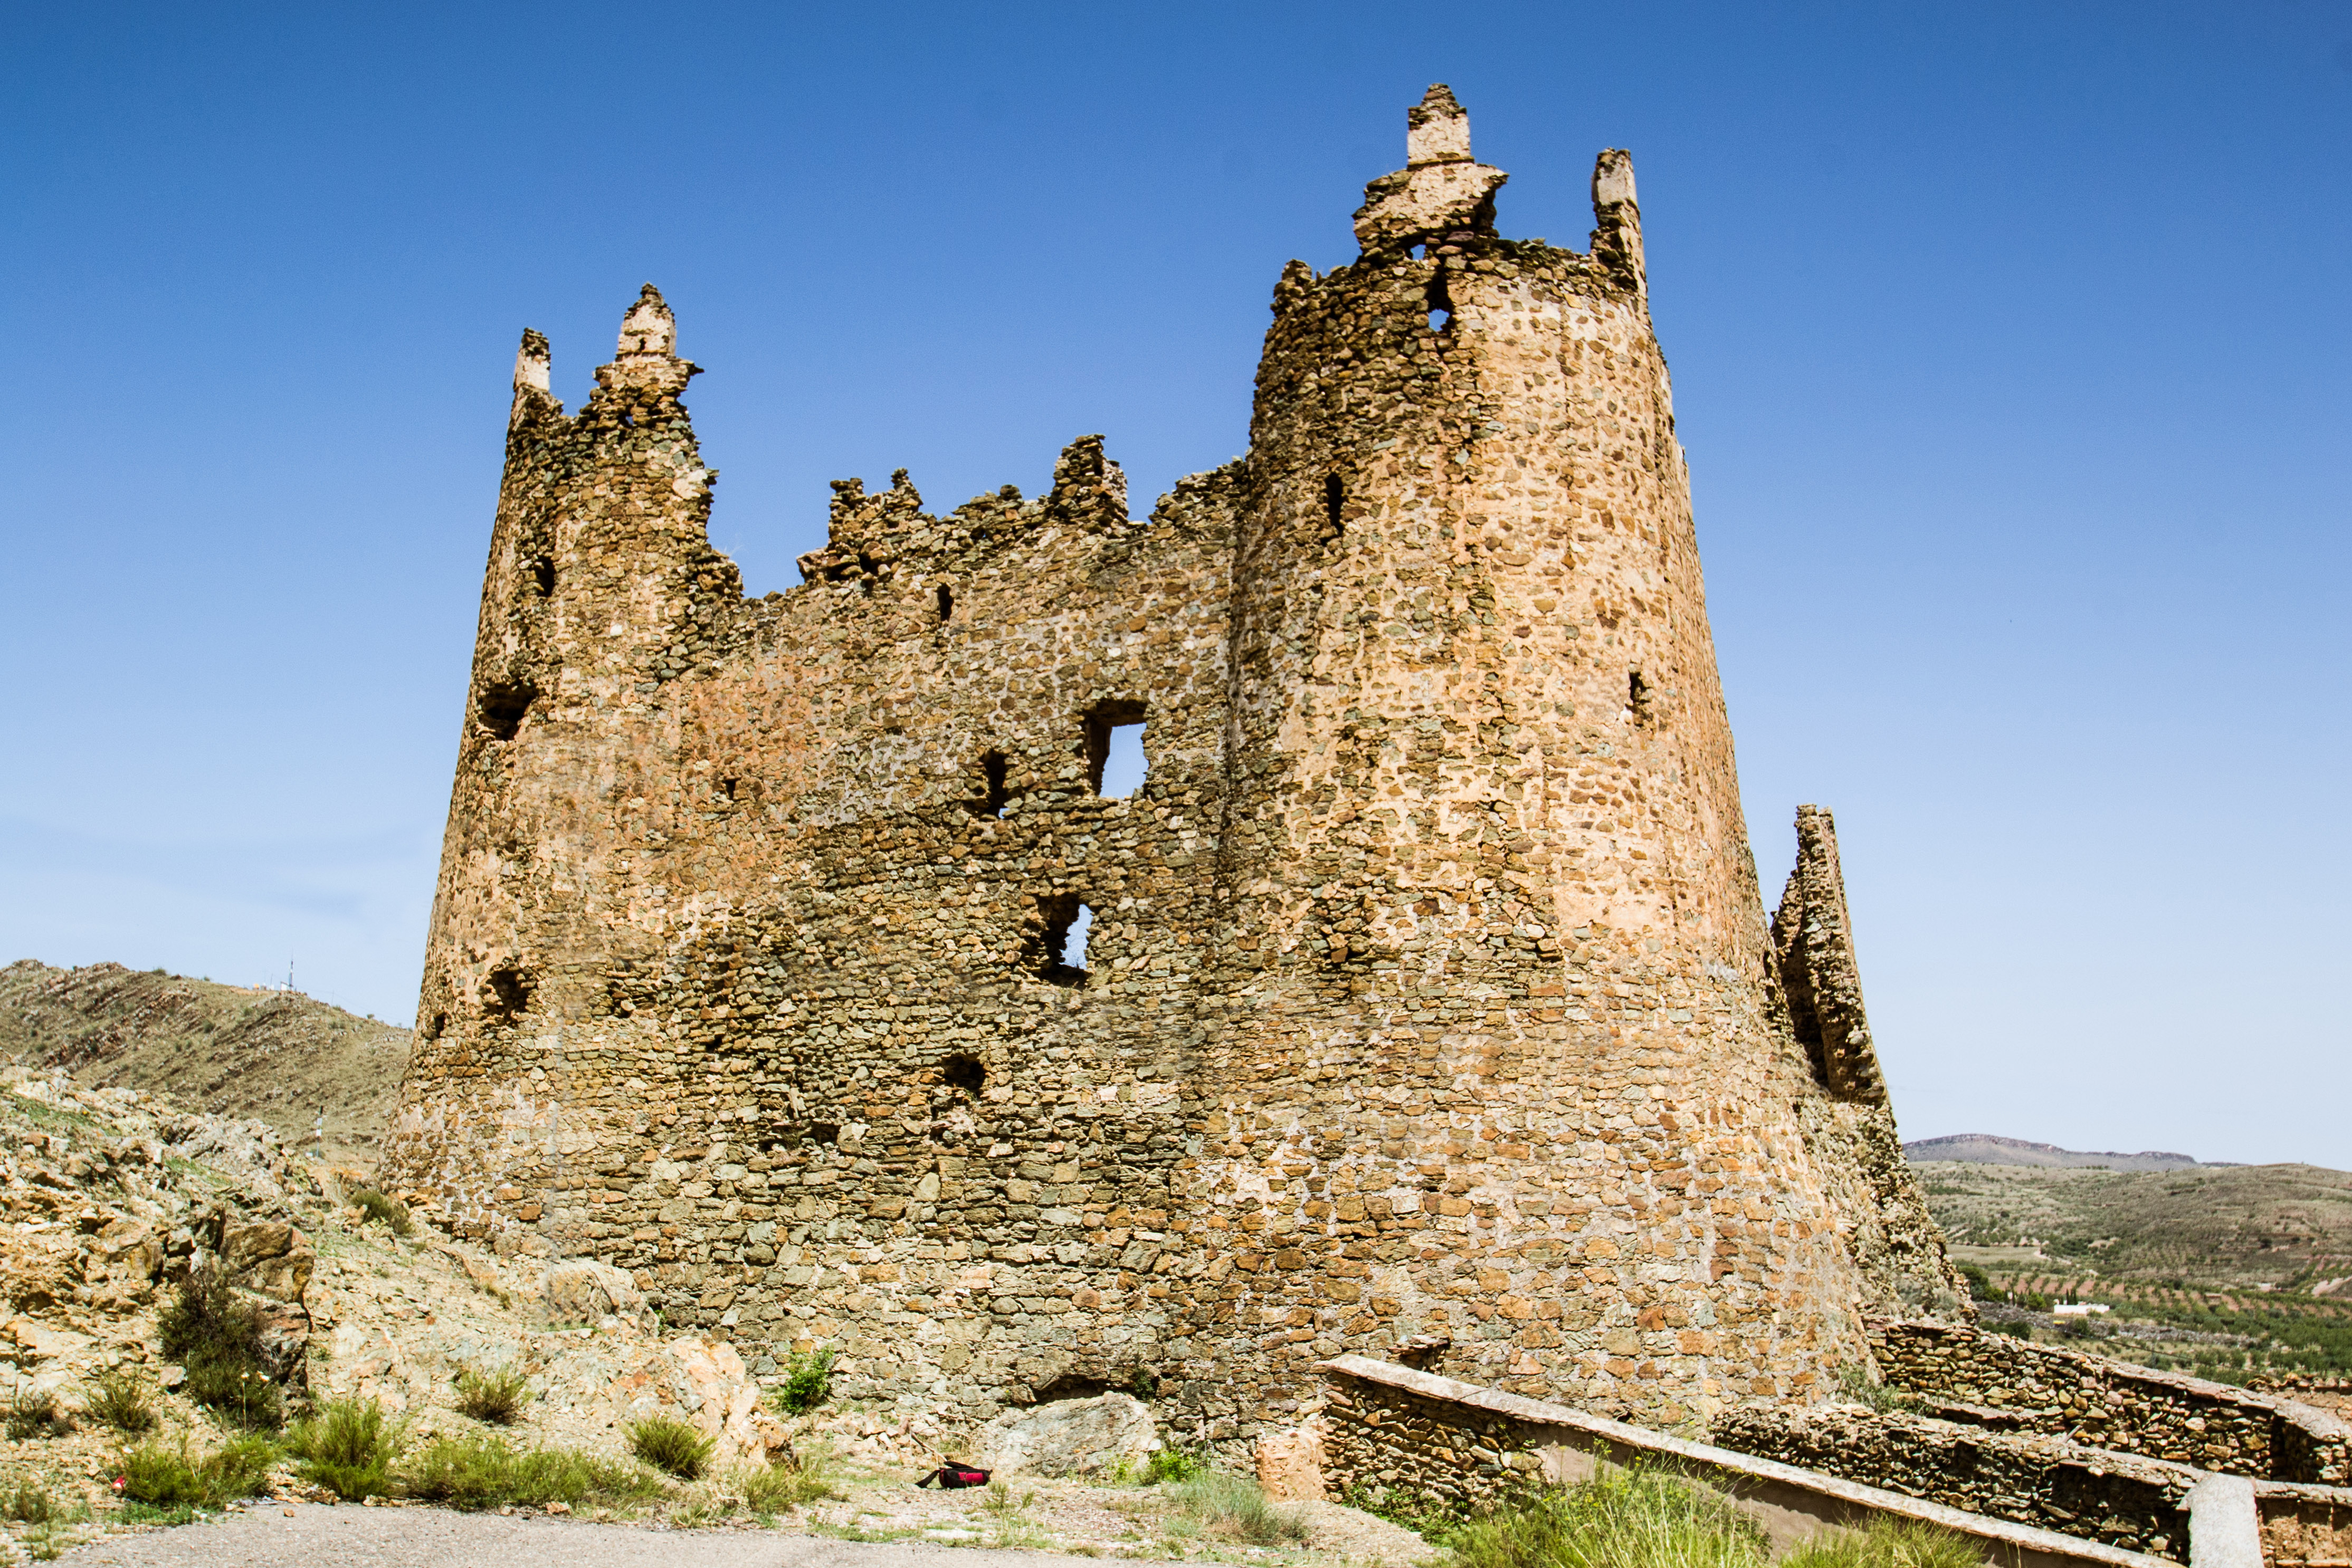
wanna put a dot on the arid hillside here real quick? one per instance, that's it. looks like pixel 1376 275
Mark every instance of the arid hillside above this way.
pixel 2227 1228
pixel 300 1065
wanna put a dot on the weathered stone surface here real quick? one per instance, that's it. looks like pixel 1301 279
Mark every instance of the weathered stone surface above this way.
pixel 1069 1437
pixel 2112 1405
pixel 282 1277
pixel 702 1381
pixel 1428 995
pixel 581 1289
pixel 243 1245
pixel 1290 1462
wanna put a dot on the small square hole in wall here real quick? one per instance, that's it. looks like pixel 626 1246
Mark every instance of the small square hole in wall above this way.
pixel 1061 946
pixel 1116 764
pixel 510 990
pixel 501 709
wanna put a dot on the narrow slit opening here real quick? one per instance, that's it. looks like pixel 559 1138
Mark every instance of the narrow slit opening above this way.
pixel 1637 699
pixel 1067 924
pixel 995 794
pixel 947 602
pixel 1116 763
pixel 1441 304
pixel 542 576
pixel 1335 500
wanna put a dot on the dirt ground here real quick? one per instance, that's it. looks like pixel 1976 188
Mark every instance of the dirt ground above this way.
pixel 879 1521
pixel 310 1536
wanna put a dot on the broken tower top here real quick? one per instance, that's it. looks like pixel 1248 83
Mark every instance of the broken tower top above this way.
pixel 1440 192
pixel 1437 129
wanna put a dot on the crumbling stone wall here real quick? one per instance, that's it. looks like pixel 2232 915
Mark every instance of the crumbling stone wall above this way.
pixel 2123 1500
pixel 1889 1232
pixel 1388 1429
pixel 1428 996
pixel 2000 1380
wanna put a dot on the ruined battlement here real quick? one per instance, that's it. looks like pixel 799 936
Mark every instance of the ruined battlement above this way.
pixel 1426 999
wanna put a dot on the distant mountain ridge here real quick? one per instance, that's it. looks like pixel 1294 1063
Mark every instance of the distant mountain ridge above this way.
pixel 1986 1149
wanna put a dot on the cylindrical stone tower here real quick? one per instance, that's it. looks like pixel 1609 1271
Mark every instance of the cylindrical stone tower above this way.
pixel 1504 1071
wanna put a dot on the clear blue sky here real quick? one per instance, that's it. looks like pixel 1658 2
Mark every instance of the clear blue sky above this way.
pixel 2010 346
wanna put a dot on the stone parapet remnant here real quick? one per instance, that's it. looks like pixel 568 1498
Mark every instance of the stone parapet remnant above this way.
pixel 1997 1379
pixel 1424 997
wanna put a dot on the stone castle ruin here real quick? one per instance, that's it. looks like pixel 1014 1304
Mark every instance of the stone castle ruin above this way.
pixel 1427 1007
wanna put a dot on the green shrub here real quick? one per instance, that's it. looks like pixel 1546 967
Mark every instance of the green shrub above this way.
pixel 671 1446
pixel 158 1476
pixel 496 1396
pixel 1856 1383
pixel 1887 1543
pixel 485 1471
pixel 217 1335
pixel 240 1393
pixel 167 1479
pixel 808 1381
pixel 49 1518
pixel 120 1399
pixel 381 1208
pixel 778 1487
pixel 239 1469
pixel 29 1504
pixel 1236 1509
pixel 375 1206
pixel 1620 1518
pixel 348 1447
pixel 32 1413
pixel 1174 1464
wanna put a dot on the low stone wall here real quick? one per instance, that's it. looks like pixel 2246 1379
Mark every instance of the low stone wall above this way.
pixel 2000 1380
pixel 1388 1427
pixel 2124 1499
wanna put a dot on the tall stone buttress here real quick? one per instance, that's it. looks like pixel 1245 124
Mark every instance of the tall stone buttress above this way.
pixel 1427 1005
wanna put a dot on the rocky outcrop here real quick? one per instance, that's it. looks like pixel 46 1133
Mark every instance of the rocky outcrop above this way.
pixel 112 1197
pixel 583 1290
pixel 1070 1437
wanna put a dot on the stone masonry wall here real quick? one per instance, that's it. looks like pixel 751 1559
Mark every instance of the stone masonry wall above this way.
pixel 2122 1499
pixel 1428 995
pixel 2000 1379
pixel 1468 1448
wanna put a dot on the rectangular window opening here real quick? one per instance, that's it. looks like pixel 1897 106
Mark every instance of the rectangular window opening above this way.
pixel 1116 764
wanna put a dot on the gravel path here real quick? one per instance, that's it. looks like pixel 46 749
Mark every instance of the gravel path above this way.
pixel 307 1535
